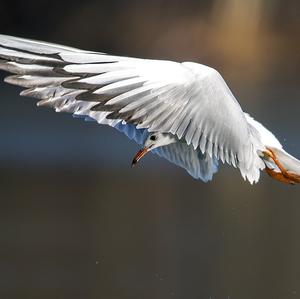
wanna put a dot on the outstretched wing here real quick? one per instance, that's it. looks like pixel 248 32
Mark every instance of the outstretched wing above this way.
pixel 189 100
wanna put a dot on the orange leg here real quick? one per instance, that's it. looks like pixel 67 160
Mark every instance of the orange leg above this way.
pixel 283 176
pixel 278 176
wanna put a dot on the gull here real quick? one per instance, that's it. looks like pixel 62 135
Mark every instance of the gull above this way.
pixel 183 112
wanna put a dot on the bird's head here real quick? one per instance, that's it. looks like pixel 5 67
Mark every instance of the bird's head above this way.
pixel 154 140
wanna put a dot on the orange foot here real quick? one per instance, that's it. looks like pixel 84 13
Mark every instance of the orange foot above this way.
pixel 284 176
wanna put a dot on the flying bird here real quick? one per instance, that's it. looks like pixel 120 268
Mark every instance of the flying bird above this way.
pixel 183 112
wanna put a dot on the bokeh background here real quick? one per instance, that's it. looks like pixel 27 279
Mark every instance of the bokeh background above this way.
pixel 77 222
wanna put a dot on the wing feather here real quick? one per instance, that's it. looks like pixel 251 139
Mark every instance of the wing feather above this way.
pixel 189 100
pixel 198 165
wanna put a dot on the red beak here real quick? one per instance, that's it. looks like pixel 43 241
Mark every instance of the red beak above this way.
pixel 139 155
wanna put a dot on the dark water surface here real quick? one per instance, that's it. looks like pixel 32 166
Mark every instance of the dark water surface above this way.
pixel 71 234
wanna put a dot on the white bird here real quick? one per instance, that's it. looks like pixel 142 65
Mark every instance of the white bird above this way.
pixel 183 112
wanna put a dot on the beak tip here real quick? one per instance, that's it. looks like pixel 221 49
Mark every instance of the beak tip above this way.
pixel 141 153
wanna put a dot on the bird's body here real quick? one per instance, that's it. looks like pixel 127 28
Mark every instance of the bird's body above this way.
pixel 184 112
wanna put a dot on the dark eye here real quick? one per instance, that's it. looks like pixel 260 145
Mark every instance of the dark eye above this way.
pixel 153 137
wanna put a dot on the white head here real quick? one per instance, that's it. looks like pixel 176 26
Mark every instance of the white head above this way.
pixel 157 139
pixel 154 140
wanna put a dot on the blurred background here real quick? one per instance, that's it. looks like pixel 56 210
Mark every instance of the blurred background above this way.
pixel 77 222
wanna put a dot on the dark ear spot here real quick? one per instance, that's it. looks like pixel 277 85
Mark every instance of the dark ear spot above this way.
pixel 153 137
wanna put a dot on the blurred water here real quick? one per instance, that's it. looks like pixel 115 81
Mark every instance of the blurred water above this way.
pixel 120 235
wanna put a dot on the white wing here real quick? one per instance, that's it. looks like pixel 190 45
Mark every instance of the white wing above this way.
pixel 198 165
pixel 189 100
